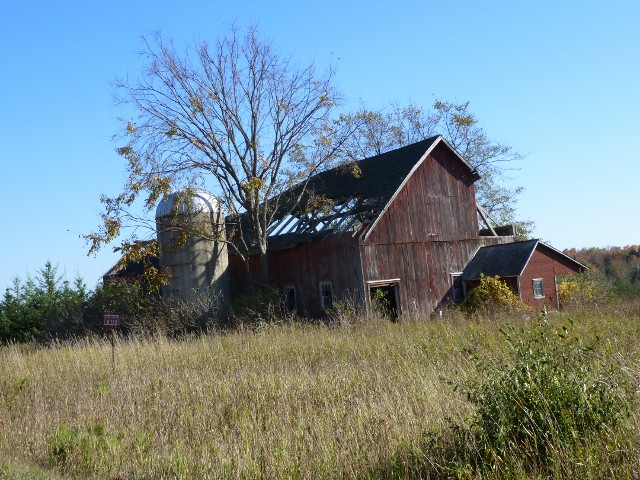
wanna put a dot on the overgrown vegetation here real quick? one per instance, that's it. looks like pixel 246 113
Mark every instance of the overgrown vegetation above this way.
pixel 45 306
pixel 590 289
pixel 492 295
pixel 545 402
pixel 259 305
pixel 370 399
pixel 48 308
pixel 495 394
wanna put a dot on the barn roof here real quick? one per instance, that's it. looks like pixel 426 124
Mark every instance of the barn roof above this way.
pixel 132 269
pixel 379 176
pixel 507 260
pixel 350 200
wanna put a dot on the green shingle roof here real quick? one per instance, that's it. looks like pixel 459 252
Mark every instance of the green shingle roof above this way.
pixel 367 193
pixel 380 176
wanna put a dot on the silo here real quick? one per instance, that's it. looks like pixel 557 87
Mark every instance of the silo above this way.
pixel 191 229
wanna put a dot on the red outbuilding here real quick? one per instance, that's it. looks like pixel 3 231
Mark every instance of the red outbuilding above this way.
pixel 531 269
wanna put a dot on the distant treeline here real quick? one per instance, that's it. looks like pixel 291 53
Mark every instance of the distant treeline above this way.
pixel 619 265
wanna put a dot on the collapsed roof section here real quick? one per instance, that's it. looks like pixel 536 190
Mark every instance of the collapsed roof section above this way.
pixel 336 216
pixel 344 198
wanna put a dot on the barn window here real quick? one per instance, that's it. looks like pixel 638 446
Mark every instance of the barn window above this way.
pixel 538 288
pixel 289 299
pixel 457 287
pixel 326 295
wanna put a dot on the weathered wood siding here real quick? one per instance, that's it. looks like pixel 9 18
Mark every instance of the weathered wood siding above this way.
pixel 488 241
pixel 424 270
pixel 334 259
pixel 428 232
pixel 547 265
pixel 437 203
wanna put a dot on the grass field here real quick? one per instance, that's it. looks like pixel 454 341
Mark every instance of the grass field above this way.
pixel 369 399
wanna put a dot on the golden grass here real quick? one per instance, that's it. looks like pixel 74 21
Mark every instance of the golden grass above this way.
pixel 284 401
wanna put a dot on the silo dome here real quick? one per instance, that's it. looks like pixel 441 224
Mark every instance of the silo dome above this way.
pixel 191 201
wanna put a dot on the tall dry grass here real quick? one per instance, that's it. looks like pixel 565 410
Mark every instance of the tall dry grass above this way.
pixel 282 401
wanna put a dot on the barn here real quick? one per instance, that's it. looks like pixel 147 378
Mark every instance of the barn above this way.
pixel 403 226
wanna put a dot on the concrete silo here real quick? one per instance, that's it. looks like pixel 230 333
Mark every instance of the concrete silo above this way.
pixel 190 226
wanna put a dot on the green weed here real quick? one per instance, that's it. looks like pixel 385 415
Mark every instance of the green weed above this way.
pixel 548 401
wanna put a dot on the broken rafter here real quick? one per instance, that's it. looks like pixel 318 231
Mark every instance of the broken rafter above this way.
pixel 279 226
pixel 485 218
pixel 318 221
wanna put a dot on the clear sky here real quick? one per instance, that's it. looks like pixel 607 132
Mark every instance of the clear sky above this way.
pixel 558 81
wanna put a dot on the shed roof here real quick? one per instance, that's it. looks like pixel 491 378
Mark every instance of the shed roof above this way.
pixel 505 260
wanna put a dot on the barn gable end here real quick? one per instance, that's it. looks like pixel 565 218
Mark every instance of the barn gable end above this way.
pixel 427 233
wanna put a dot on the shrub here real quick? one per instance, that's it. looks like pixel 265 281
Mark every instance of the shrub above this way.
pixel 492 295
pixel 72 449
pixel 257 306
pixel 199 312
pixel 129 299
pixel 63 445
pixel 380 304
pixel 588 289
pixel 42 307
pixel 552 399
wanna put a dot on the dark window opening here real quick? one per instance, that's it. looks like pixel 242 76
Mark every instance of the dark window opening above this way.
pixel 326 296
pixel 289 299
pixel 457 287
pixel 384 300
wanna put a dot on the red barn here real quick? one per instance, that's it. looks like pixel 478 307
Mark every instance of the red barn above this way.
pixel 403 227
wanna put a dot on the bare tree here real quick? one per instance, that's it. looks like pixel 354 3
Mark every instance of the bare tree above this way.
pixel 236 118
pixel 378 132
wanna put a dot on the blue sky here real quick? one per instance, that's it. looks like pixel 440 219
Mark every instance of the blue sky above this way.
pixel 558 81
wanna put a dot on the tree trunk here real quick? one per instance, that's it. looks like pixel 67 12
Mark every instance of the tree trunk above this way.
pixel 264 265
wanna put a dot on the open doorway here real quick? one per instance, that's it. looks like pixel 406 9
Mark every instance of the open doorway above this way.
pixel 384 300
